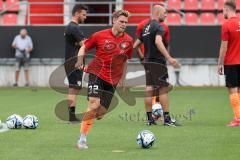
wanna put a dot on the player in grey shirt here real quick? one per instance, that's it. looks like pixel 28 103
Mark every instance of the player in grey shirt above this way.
pixel 23 45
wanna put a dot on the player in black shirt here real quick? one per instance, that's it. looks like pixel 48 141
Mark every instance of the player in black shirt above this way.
pixel 74 38
pixel 155 56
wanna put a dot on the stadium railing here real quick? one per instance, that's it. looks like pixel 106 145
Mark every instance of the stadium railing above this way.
pixel 25 13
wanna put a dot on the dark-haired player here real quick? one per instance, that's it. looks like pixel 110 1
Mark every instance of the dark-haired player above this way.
pixel 74 38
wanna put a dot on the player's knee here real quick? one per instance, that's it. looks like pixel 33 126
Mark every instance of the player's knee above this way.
pixel 93 103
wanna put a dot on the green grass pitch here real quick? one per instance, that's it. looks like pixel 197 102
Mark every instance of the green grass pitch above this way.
pixel 204 135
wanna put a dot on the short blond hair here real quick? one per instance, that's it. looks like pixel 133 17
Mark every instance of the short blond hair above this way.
pixel 119 13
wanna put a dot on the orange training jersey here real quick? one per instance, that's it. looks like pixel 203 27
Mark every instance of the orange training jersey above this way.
pixel 111 54
pixel 231 33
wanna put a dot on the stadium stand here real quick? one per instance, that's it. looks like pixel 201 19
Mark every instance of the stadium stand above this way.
pixel 9 19
pixel 191 4
pixel 42 12
pixel 1 5
pixel 138 8
pixel 207 4
pixel 220 4
pixel 174 19
pixel 220 18
pixel 175 4
pixel 191 18
pixel 238 4
pixel 207 18
pixel 12 5
pixel 38 12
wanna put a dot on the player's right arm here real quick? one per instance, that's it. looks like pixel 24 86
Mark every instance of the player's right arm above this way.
pixel 80 60
pixel 223 48
pixel 163 50
pixel 88 44
pixel 14 43
pixel 136 46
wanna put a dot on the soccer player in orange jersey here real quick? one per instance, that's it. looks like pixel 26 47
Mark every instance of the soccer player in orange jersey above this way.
pixel 229 57
pixel 113 48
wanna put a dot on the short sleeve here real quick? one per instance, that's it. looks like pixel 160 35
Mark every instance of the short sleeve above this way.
pixel 14 41
pixel 91 42
pixel 225 33
pixel 139 30
pixel 158 29
pixel 30 43
pixel 78 34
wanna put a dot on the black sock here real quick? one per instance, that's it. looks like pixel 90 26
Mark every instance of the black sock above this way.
pixel 166 116
pixel 149 116
pixel 71 109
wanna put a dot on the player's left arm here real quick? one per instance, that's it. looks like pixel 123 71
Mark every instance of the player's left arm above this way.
pixel 223 47
pixel 80 59
pixel 30 45
pixel 222 53
pixel 79 36
pixel 122 80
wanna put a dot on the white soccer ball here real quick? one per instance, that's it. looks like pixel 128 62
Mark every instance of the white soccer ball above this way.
pixel 157 111
pixel 14 121
pixel 30 122
pixel 145 139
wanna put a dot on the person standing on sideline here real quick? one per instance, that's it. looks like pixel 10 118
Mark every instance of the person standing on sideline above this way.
pixel 74 38
pixel 23 46
pixel 229 57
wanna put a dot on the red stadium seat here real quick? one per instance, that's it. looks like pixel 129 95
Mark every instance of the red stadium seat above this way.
pixel 12 5
pixel 1 5
pixel 220 4
pixel 220 18
pixel 207 18
pixel 174 19
pixel 174 4
pixel 191 18
pixel 238 4
pixel 9 19
pixel 136 19
pixel 191 4
pixel 207 4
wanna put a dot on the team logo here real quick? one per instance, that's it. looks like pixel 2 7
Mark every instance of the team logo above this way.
pixel 79 83
pixel 146 31
pixel 124 45
pixel 109 46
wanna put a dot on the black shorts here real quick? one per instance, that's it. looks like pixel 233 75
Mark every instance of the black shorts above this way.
pixel 102 89
pixel 156 74
pixel 74 75
pixel 232 75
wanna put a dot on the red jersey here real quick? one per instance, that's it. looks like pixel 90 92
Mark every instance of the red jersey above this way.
pixel 111 54
pixel 231 33
pixel 166 37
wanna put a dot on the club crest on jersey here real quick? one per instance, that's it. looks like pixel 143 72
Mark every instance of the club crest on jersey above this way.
pixel 109 46
pixel 125 45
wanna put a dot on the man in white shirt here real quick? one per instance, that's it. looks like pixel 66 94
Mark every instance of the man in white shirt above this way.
pixel 23 45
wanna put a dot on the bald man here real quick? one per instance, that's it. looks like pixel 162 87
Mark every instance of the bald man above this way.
pixel 23 45
pixel 155 57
